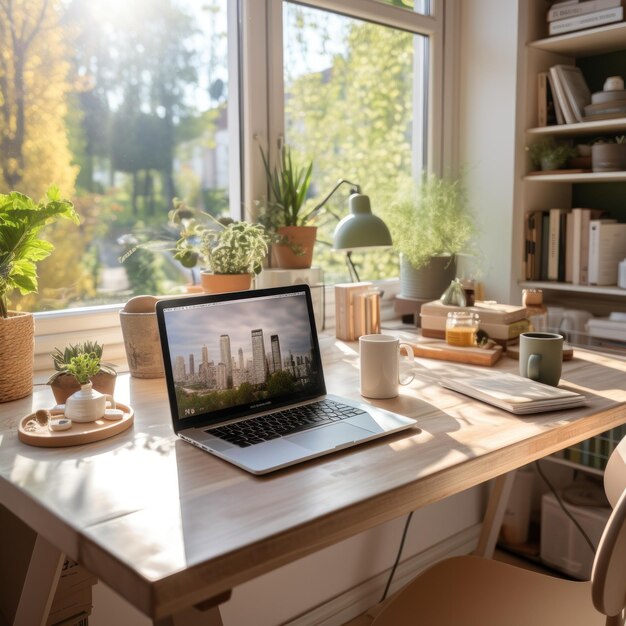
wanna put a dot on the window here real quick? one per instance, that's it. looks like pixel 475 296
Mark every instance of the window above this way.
pixel 353 89
pixel 126 107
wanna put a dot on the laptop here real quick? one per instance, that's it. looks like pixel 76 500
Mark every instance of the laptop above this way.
pixel 245 382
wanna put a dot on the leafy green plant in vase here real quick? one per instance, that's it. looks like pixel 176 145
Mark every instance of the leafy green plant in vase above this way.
pixel 21 248
pixel 232 254
pixel 548 154
pixel 285 214
pixel 430 225
pixel 64 384
pixel 86 404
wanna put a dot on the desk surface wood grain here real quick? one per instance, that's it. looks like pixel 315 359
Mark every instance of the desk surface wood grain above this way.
pixel 168 525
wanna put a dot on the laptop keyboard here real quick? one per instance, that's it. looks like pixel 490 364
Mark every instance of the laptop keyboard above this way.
pixel 266 427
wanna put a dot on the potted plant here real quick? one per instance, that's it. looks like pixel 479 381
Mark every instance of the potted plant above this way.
pixel 284 213
pixel 548 154
pixel 21 221
pixel 231 252
pixel 86 404
pixel 430 225
pixel 63 383
pixel 609 155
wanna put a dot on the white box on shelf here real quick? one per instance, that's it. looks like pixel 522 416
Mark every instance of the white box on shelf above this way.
pixel 311 276
pixel 562 545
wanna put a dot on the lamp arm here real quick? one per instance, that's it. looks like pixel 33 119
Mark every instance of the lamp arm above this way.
pixel 316 209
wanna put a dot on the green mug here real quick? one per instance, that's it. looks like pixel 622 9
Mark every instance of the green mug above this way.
pixel 541 357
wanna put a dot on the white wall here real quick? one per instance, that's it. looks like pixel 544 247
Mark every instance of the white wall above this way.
pixel 487 109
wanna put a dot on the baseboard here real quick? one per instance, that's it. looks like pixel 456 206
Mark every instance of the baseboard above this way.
pixel 357 600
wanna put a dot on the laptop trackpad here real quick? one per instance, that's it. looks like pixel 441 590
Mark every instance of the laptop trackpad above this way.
pixel 328 437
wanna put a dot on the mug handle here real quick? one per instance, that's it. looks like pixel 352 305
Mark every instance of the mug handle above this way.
pixel 411 356
pixel 532 367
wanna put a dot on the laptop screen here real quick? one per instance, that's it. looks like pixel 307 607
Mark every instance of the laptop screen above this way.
pixel 236 354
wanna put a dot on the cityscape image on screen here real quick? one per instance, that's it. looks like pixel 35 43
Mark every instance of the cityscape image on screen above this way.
pixel 238 353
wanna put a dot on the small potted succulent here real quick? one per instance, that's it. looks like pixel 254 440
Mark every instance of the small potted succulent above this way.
pixel 284 213
pixel 86 404
pixel 63 382
pixel 609 155
pixel 548 154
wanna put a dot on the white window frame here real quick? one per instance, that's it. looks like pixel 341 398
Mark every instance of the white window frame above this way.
pixel 256 113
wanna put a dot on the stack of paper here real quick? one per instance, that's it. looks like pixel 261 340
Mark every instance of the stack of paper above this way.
pixel 515 394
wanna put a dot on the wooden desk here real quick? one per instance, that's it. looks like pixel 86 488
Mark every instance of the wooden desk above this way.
pixel 168 526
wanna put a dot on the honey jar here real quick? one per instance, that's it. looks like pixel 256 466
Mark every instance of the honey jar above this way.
pixel 461 327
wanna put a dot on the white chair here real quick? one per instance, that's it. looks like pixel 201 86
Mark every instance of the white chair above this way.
pixel 473 591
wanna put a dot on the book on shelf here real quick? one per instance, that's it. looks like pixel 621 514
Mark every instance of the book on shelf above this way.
pixel 532 249
pixel 515 394
pixel 488 311
pixel 607 247
pixel 580 243
pixel 587 20
pixel 545 245
pixel 569 247
pixel 558 111
pixel 562 11
pixel 561 98
pixel 556 246
pixel 575 89
pixel 546 114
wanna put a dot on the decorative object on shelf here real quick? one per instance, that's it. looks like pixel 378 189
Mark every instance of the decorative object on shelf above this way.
pixel 86 404
pixel 284 214
pixel 609 155
pixel 21 221
pixel 613 83
pixel 64 384
pixel 549 154
pixel 536 311
pixel 431 224
pixel 141 337
pixel 610 103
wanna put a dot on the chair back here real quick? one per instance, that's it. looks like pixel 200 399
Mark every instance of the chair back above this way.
pixel 608 576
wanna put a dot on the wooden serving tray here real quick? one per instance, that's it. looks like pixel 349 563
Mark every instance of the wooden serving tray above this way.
pixel 568 352
pixel 35 433
pixel 444 352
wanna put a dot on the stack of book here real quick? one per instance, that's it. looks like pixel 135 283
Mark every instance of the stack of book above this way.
pixel 572 15
pixel 503 323
pixel 573 246
pixel 563 96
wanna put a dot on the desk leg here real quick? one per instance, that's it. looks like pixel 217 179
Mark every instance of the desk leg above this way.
pixel 40 584
pixel 206 613
pixel 498 499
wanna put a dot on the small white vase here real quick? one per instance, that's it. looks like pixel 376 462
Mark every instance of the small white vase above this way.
pixel 87 405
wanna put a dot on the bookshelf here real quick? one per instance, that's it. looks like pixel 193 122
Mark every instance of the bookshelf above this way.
pixel 599 52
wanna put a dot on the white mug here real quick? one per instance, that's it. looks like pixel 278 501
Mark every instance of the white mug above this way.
pixel 380 365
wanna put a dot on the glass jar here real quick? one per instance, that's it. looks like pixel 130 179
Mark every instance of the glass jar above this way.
pixel 461 327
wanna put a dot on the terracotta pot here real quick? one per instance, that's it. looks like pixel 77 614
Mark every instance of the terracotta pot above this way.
pixel 17 343
pixel 223 283
pixel 608 157
pixel 64 385
pixel 428 282
pixel 297 253
pixel 142 344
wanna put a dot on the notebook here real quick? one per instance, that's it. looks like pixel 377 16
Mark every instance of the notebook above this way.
pixel 245 381
pixel 516 394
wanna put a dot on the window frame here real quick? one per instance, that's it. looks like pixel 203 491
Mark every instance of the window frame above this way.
pixel 257 113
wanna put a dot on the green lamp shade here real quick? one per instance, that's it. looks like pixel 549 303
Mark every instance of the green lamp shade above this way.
pixel 361 229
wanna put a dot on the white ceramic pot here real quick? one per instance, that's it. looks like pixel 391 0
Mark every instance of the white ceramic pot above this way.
pixel 87 405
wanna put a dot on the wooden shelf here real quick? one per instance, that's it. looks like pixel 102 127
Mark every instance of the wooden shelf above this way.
pixel 589 289
pixel 591 177
pixel 582 43
pixel 583 128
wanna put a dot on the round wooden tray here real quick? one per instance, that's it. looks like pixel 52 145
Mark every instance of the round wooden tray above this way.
pixel 31 431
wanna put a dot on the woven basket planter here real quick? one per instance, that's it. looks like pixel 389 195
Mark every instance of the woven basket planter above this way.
pixel 17 334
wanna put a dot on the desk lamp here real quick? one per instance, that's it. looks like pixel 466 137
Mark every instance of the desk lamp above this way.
pixel 360 229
